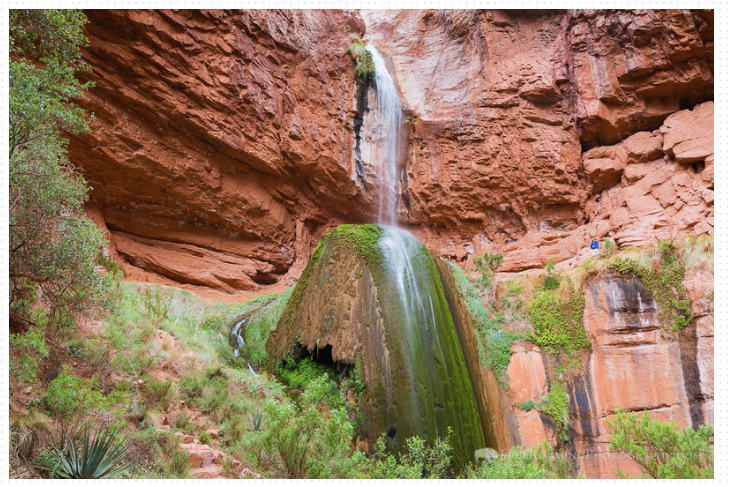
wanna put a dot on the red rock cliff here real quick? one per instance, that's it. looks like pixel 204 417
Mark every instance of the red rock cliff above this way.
pixel 223 142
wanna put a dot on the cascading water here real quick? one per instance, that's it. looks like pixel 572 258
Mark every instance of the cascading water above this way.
pixel 387 147
pixel 403 253
pixel 377 296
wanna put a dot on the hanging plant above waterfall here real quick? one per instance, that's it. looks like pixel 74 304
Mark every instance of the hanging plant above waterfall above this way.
pixel 365 70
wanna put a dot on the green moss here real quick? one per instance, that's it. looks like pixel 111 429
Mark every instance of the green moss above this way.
pixel 494 343
pixel 365 70
pixel 429 386
pixel 667 286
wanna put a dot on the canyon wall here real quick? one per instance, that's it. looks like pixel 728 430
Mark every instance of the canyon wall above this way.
pixel 223 141
pixel 633 364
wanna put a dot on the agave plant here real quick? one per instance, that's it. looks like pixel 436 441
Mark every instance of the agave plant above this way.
pixel 98 458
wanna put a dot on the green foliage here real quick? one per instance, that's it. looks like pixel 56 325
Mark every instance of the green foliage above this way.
pixel 494 343
pixel 365 69
pixel 33 349
pixel 540 462
pixel 527 405
pixel 608 248
pixel 302 374
pixel 487 266
pixel 307 443
pixel 98 458
pixel 205 438
pixel 556 405
pixel 48 460
pixel 558 322
pixel 262 315
pixel 157 303
pixel 159 392
pixel 65 394
pixel 663 449
pixel 551 280
pixel 418 461
pixel 667 286
pixel 52 244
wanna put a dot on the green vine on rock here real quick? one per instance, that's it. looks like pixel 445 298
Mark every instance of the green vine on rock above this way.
pixel 667 287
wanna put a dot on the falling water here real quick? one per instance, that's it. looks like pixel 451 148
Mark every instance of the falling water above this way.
pixel 390 108
pixel 402 252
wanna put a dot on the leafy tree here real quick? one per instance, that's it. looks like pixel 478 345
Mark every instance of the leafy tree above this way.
pixel 663 449
pixel 307 443
pixel 53 247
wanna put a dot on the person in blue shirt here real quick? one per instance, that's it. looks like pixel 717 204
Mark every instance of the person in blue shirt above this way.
pixel 595 246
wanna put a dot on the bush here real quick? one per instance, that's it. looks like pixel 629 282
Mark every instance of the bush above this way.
pixel 161 392
pixel 540 462
pixel 307 443
pixel 34 347
pixel 52 245
pixel 667 286
pixel 205 438
pixel 558 322
pixel 420 461
pixel 663 449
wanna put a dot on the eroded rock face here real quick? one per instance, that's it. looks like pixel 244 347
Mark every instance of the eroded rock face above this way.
pixel 511 145
pixel 222 139
pixel 228 137
pixel 633 365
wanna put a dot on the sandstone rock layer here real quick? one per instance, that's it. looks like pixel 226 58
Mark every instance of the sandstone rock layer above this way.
pixel 224 141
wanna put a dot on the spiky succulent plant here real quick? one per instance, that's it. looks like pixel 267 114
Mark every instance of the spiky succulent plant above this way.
pixel 99 457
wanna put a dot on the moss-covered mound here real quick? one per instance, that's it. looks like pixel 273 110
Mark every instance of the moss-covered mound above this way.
pixel 416 376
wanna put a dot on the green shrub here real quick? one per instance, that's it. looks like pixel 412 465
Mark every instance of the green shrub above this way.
pixel 667 287
pixel 487 265
pixel 159 392
pixel 35 349
pixel 556 405
pixel 418 461
pixel 307 443
pixel 303 373
pixel 66 395
pixel 205 438
pixel 558 322
pixel 663 449
pixel 540 462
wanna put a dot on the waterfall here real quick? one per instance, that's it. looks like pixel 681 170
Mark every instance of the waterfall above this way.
pixel 402 252
pixel 390 108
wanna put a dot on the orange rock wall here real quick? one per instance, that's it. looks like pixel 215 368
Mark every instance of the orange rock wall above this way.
pixel 633 365
pixel 223 144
